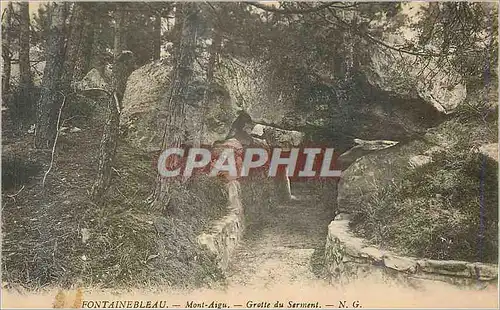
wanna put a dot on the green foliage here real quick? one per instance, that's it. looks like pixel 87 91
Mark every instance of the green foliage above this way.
pixel 139 32
pixel 465 34
pixel 481 108
pixel 140 28
pixel 437 211
pixel 446 209
pixel 258 194
pixel 11 31
pixel 129 243
pixel 40 26
pixel 163 240
pixel 79 110
pixel 21 105
pixel 17 171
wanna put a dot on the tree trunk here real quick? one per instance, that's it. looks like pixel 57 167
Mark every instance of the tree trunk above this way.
pixel 82 64
pixel 24 48
pixel 176 32
pixel 74 45
pixel 6 52
pixel 99 55
pixel 122 67
pixel 174 104
pixel 107 151
pixel 98 61
pixel 214 50
pixel 157 37
pixel 50 95
pixel 122 61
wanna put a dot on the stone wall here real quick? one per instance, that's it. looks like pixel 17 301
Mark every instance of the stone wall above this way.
pixel 348 257
pixel 227 232
pixel 246 200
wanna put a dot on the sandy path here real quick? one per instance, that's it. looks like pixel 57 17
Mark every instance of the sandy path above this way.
pixel 282 252
pixel 281 246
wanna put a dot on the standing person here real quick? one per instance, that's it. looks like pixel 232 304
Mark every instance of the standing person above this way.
pixel 241 129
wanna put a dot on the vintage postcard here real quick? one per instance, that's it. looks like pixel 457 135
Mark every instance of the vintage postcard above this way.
pixel 249 155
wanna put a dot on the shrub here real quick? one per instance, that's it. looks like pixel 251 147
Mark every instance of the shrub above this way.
pixel 79 109
pixel 447 209
pixel 21 105
pixel 17 171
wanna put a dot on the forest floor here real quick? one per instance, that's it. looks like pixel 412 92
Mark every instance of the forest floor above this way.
pixel 280 259
pixel 54 235
pixel 37 221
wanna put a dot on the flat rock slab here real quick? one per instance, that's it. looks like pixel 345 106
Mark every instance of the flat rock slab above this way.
pixel 349 256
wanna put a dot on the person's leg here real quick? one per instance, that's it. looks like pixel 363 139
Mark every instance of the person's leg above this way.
pixel 288 187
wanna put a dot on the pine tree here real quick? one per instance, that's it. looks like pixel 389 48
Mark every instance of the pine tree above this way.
pixel 51 96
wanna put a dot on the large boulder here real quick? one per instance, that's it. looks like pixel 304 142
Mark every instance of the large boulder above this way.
pixel 93 84
pixel 278 137
pixel 311 106
pixel 408 77
pixel 338 110
pixel 490 150
pixel 240 86
pixel 373 173
pixel 423 198
pixel 267 98
pixel 412 76
pixel 143 117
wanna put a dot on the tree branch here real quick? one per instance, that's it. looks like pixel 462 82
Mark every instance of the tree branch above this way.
pixel 96 89
pixel 368 36
pixel 55 140
pixel 401 50
pixel 298 11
